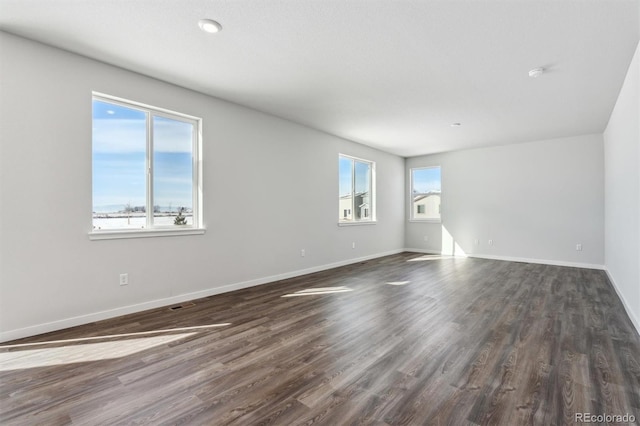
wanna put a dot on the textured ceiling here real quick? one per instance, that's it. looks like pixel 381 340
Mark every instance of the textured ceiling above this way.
pixel 390 74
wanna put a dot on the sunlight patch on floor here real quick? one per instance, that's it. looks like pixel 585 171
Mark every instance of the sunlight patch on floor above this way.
pixel 47 357
pixel 319 290
pixel 430 257
pixel 115 336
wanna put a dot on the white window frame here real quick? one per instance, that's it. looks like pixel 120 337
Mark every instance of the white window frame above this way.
pixel 371 220
pixel 412 218
pixel 150 230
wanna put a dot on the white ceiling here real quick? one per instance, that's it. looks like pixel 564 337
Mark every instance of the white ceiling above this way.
pixel 390 74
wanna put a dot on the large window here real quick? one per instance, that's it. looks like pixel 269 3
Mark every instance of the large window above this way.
pixel 426 190
pixel 356 190
pixel 145 168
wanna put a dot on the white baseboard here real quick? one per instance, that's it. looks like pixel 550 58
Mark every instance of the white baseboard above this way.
pixel 540 261
pixel 515 259
pixel 626 305
pixel 34 330
pixel 414 250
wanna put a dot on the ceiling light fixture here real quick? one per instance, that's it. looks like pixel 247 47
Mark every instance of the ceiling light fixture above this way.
pixel 536 72
pixel 209 26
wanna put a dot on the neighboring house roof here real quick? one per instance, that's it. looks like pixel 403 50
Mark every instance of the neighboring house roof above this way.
pixel 428 194
pixel 358 194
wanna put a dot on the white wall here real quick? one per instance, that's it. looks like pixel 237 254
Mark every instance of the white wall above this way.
pixel 53 276
pixel 535 200
pixel 622 192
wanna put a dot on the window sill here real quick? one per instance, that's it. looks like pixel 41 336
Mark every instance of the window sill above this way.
pixel 426 220
pixel 370 222
pixel 147 233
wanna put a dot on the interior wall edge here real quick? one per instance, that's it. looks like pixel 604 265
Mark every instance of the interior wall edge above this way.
pixel 627 307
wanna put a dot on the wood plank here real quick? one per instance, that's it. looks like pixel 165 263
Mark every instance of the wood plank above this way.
pixel 459 341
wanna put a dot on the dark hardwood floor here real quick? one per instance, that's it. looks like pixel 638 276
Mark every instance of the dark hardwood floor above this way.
pixel 401 340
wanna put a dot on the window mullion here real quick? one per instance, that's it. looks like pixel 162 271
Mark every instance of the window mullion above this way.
pixel 353 190
pixel 195 179
pixel 149 207
pixel 411 195
pixel 371 193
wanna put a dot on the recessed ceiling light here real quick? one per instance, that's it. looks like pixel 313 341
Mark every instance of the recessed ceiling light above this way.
pixel 209 26
pixel 455 124
pixel 536 72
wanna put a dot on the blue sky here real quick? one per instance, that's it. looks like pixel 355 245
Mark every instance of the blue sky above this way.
pixel 119 158
pixel 345 177
pixel 425 180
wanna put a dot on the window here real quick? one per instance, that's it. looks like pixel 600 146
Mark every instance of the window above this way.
pixel 145 168
pixel 356 190
pixel 425 193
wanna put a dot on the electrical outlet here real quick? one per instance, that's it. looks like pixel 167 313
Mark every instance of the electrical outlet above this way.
pixel 426 238
pixel 302 253
pixel 490 242
pixel 578 247
pixel 476 242
pixel 124 279
pixel 353 245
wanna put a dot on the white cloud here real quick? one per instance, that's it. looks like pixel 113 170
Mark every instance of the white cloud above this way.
pixel 120 135
pixel 129 135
